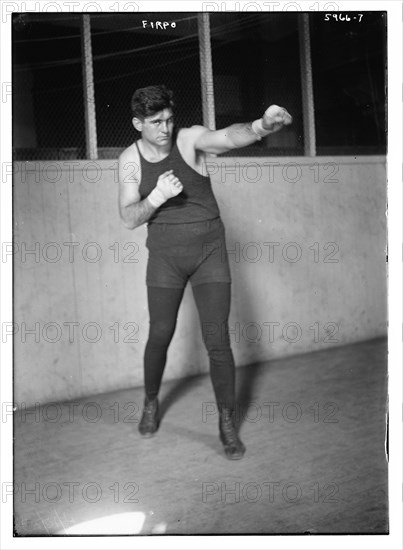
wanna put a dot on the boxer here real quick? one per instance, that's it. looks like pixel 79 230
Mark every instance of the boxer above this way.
pixel 163 181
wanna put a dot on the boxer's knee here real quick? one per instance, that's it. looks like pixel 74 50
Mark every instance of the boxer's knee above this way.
pixel 161 333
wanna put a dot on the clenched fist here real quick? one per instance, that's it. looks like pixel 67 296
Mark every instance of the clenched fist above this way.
pixel 274 119
pixel 168 186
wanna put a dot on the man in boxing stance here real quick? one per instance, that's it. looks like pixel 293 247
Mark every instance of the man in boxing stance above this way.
pixel 163 181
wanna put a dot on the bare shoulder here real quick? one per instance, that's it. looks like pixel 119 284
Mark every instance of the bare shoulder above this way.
pixel 191 134
pixel 130 154
pixel 186 140
pixel 129 165
pixel 188 137
pixel 205 141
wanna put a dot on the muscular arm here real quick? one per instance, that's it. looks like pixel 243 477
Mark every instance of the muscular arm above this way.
pixel 133 210
pixel 241 135
pixel 221 141
pixel 137 213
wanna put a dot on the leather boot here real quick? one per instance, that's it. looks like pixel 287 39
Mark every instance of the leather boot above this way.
pixel 233 446
pixel 149 419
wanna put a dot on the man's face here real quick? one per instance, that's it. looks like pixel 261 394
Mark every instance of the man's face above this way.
pixel 158 129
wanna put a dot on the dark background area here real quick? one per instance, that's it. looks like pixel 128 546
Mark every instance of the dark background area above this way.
pixel 349 68
pixel 256 62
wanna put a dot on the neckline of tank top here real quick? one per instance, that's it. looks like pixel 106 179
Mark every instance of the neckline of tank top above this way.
pixel 175 145
pixel 158 161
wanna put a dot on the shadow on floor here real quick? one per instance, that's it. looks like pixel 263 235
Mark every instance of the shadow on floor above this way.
pixel 247 390
pixel 177 389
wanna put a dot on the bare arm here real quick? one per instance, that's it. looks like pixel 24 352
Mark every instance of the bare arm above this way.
pixel 241 135
pixel 133 210
pixel 137 213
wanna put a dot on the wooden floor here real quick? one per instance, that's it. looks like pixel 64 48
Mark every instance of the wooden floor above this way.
pixel 314 428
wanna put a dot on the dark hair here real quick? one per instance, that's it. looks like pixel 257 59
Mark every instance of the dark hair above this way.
pixel 148 101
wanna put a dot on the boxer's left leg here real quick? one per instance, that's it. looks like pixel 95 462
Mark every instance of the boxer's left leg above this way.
pixel 213 304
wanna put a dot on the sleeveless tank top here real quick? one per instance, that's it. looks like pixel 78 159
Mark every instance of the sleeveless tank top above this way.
pixel 195 203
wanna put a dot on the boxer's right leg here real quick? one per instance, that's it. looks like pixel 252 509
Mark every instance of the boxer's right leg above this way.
pixel 163 304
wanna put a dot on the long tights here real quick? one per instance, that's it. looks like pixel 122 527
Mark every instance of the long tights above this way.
pixel 213 304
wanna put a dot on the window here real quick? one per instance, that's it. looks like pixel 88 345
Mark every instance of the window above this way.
pixel 255 64
pixel 48 105
pixel 255 61
pixel 133 55
pixel 348 63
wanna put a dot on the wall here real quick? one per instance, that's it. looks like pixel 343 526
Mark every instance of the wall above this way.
pixel 80 296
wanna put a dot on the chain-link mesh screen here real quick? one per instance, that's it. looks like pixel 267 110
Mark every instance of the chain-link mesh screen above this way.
pixel 48 105
pixel 134 54
pixel 349 71
pixel 256 64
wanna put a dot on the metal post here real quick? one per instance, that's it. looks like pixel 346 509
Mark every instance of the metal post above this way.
pixel 206 70
pixel 308 112
pixel 89 95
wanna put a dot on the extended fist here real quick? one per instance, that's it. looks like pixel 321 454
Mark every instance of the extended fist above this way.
pixel 168 186
pixel 275 118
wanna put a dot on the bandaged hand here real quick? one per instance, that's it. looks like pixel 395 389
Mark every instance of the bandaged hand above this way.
pixel 168 186
pixel 274 119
